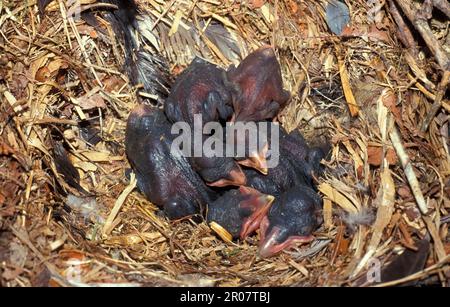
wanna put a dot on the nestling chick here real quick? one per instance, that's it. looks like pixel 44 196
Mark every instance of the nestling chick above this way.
pixel 259 93
pixel 292 219
pixel 240 211
pixel 202 89
pixel 297 165
pixel 166 178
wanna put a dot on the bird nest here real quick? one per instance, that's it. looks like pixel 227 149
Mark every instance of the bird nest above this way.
pixel 376 93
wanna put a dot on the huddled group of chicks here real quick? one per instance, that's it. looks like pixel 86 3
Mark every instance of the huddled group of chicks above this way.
pixel 237 196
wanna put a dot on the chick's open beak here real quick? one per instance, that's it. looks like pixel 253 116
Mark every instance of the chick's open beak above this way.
pixel 259 205
pixel 271 242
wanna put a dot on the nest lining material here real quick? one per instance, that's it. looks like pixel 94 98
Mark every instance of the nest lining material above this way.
pixel 387 185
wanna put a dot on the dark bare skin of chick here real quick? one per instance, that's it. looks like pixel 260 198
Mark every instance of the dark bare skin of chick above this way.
pixel 165 178
pixel 292 219
pixel 202 88
pixel 295 213
pixel 298 165
pixel 278 179
pixel 294 144
pixel 258 95
pixel 240 211
pixel 259 86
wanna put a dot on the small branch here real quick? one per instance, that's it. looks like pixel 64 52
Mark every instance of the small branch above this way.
pixel 409 172
pixel 443 6
pixel 442 87
pixel 424 29
pixel 421 274
pixel 433 229
pixel 404 33
pixel 109 224
pixel 166 10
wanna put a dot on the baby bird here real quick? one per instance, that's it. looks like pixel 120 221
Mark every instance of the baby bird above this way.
pixel 259 93
pixel 202 89
pixel 298 164
pixel 239 211
pixel 292 219
pixel 163 175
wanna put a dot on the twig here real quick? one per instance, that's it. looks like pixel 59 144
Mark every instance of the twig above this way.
pixel 83 50
pixel 420 87
pixel 108 227
pixel 162 15
pixel 404 33
pixel 409 172
pixel 420 274
pixel 442 88
pixel 65 21
pixel 418 72
pixel 73 62
pixel 50 120
pixel 443 6
pixel 434 232
pixel 424 29
pixel 165 235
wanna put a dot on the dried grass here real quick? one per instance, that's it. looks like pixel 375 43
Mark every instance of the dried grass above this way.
pixel 56 72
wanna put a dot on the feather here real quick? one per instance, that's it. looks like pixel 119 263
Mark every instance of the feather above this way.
pixel 65 167
pixel 42 4
pixel 142 65
pixel 222 38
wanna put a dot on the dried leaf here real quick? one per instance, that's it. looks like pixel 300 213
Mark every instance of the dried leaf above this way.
pixel 293 6
pixel 91 102
pixel 12 101
pixel 109 224
pixel 86 166
pixel 268 16
pixel 385 203
pixel 113 83
pixel 97 156
pixel 337 197
pixel 327 212
pixel 367 33
pixel 375 155
pixel 43 74
pixel 351 101
pixel 404 192
pixel 256 4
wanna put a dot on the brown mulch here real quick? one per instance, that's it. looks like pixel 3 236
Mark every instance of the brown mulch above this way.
pixel 378 93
